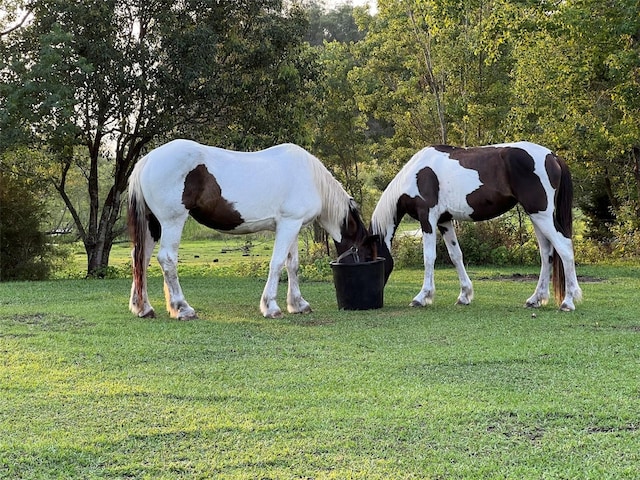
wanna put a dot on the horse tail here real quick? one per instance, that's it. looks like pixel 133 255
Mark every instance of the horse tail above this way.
pixel 564 225
pixel 138 224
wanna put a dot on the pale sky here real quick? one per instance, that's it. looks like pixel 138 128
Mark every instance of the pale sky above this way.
pixel 333 3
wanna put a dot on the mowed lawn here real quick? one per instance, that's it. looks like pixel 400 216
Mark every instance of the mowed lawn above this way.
pixel 484 391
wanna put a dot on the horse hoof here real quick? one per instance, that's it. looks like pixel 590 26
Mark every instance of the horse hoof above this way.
pixel 150 314
pixel 275 315
pixel 189 314
pixel 532 305
pixel 462 302
pixel 566 308
pixel 305 309
pixel 415 303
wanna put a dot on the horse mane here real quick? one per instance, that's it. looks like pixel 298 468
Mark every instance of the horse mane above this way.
pixel 336 202
pixel 384 215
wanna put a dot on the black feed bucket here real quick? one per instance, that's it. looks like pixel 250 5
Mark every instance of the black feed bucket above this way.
pixel 359 286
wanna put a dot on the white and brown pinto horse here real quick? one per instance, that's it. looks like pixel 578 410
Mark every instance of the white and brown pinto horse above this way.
pixel 443 183
pixel 281 189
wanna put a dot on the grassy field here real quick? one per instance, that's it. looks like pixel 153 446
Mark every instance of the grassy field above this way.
pixel 484 391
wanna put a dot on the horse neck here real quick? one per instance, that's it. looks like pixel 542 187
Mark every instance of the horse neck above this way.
pixel 335 201
pixel 386 218
pixel 334 215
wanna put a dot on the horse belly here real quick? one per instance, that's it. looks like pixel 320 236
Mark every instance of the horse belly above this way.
pixel 253 227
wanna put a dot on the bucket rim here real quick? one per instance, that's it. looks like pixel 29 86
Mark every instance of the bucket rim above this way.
pixel 370 262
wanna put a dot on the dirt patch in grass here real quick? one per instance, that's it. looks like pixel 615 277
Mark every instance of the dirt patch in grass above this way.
pixel 311 322
pixel 533 277
pixel 631 427
pixel 46 321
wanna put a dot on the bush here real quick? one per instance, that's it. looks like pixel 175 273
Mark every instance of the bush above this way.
pixel 24 252
pixel 622 246
pixel 503 241
pixel 407 251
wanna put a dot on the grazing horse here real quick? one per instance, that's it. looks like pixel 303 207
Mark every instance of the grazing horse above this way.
pixel 280 189
pixel 443 183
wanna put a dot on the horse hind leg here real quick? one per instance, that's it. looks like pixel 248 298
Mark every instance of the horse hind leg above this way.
pixel 295 302
pixel 455 254
pixel 573 292
pixel 564 270
pixel 540 295
pixel 177 306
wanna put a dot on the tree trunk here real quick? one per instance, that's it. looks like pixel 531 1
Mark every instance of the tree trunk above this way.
pixel 98 246
pixel 100 240
pixel 436 88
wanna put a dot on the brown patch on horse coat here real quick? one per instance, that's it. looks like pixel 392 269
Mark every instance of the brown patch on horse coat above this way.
pixel 202 196
pixel 507 176
pixel 554 171
pixel 428 186
pixel 418 207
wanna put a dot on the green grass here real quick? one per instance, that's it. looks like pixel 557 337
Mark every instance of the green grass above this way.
pixel 222 254
pixel 484 391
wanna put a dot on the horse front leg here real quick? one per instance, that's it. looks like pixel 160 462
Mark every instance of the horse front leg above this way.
pixel 426 294
pixel 286 234
pixel 455 254
pixel 295 302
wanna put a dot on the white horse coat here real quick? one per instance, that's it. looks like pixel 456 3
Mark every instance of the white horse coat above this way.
pixel 280 189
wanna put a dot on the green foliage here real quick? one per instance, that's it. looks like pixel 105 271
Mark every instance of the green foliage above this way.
pixel 407 251
pixel 626 232
pixel 621 241
pixel 92 85
pixel 574 74
pixel 315 263
pixel 24 252
pixel 339 138
pixel 426 74
pixel 471 73
pixel 334 25
pixel 508 240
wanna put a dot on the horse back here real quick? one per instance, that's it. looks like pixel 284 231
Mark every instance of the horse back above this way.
pixel 521 172
pixel 475 183
pixel 239 192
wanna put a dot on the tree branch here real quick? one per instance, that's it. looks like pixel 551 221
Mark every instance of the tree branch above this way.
pixel 17 25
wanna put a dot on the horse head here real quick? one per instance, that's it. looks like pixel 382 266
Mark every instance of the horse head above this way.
pixel 357 244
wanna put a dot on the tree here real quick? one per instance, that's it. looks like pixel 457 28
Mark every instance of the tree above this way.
pixel 429 73
pixel 576 89
pixel 339 127
pixel 335 25
pixel 95 82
